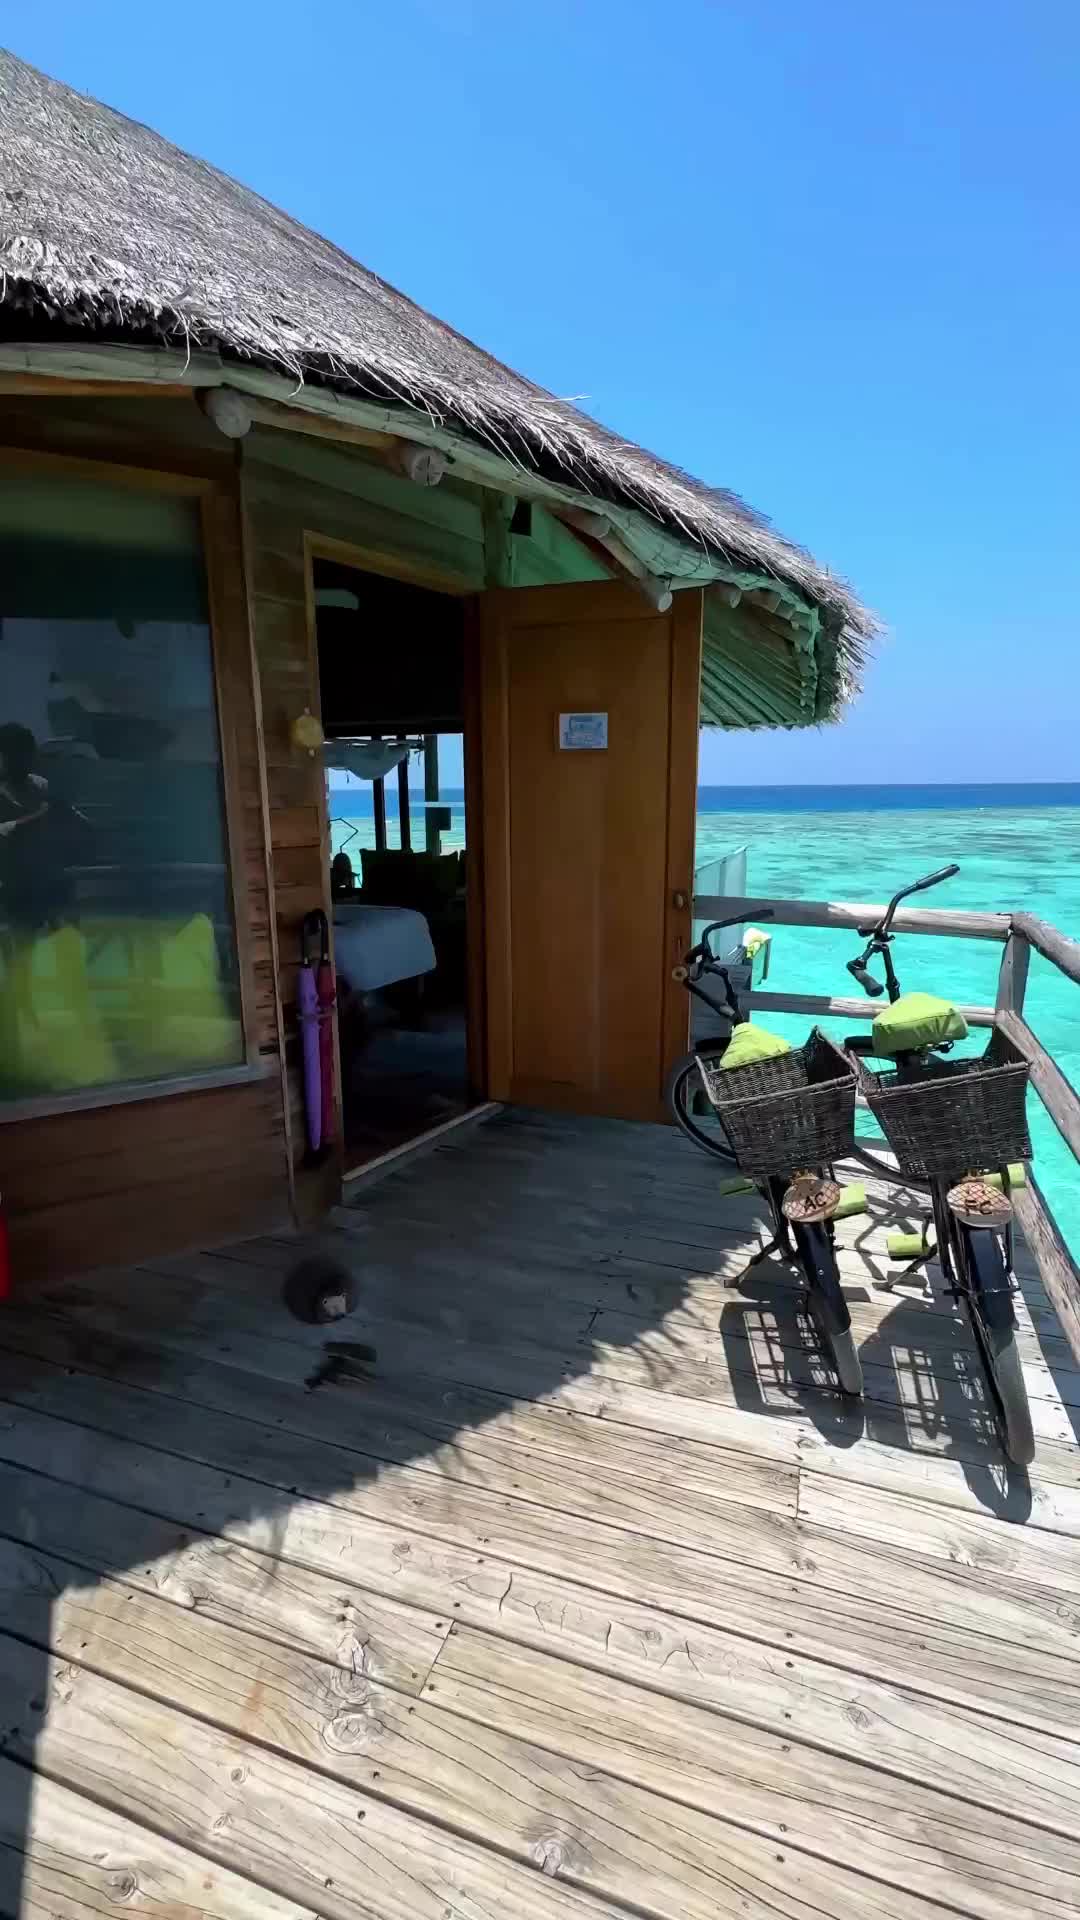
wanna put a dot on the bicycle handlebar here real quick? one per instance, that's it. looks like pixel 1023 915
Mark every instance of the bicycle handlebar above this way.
pixel 704 950
pixel 859 971
pixel 917 886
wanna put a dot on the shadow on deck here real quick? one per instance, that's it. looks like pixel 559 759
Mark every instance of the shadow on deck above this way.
pixel 590 1572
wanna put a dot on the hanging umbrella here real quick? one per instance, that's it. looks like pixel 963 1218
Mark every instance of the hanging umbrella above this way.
pixel 326 998
pixel 307 997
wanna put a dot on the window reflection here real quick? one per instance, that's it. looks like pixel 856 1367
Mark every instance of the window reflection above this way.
pixel 117 946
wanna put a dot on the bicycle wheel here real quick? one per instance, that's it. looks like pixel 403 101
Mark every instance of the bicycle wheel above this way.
pixel 685 1095
pixel 828 1308
pixel 988 1300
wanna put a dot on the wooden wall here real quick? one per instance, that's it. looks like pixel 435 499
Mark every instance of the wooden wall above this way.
pixel 296 491
pixel 119 1183
pixel 126 1182
pixel 300 492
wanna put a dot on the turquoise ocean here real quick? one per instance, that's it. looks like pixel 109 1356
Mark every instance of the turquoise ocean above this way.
pixel 1017 847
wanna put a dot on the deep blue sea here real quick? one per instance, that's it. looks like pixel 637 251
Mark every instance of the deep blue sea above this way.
pixel 1018 847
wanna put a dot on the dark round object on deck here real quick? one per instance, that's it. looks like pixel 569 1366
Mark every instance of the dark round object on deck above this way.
pixel 320 1289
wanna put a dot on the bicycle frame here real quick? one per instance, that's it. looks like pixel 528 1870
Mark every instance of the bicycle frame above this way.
pixel 950 1234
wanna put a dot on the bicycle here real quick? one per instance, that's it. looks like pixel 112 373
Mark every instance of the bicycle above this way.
pixel 782 1121
pixel 956 1129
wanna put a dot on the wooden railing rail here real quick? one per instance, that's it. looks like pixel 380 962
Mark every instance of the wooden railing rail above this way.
pixel 1045 939
pixel 853 1009
pixel 847 913
pixel 1018 934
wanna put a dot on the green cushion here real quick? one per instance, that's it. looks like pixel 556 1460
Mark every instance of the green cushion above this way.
pixel 749 1043
pixel 917 1020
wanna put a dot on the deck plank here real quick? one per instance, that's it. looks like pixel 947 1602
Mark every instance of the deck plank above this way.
pixel 589 1595
pixel 279 1824
pixel 476 1435
pixel 901 1520
pixel 625 1843
pixel 967 1637
pixel 993 1489
pixel 534 1357
pixel 958 1849
pixel 82 1859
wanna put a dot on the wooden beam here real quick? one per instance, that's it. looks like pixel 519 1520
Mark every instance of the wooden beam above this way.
pixel 271 413
pixel 404 811
pixel 853 1009
pixel 497 510
pixel 1013 973
pixel 585 520
pixel 1057 1095
pixel 1060 1275
pixel 847 913
pixel 46 387
pixel 378 808
pixel 628 565
pixel 432 835
pixel 1055 946
pixel 314 409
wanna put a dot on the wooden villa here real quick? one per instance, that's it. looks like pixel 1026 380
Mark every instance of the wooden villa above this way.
pixel 563 1586
pixel 220 438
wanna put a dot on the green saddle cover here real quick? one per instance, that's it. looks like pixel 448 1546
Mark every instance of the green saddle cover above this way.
pixel 915 1021
pixel 749 1044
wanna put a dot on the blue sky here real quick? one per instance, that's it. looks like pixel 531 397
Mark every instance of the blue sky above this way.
pixel 820 251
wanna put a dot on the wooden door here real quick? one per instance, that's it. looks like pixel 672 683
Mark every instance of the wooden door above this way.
pixel 587 854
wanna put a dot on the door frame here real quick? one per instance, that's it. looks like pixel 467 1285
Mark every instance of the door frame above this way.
pixel 319 546
pixel 588 602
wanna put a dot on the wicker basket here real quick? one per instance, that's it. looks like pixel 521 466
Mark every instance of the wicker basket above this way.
pixel 957 1116
pixel 796 1110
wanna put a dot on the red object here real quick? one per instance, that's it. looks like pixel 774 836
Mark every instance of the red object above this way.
pixel 5 1256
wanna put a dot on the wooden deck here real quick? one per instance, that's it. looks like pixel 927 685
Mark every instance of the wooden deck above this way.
pixel 586 1598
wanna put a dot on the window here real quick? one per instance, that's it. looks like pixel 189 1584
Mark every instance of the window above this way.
pixel 117 946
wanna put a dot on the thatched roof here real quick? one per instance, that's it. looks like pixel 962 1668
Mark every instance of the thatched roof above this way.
pixel 105 225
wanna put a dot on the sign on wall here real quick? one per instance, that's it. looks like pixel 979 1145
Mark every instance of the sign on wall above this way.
pixel 583 732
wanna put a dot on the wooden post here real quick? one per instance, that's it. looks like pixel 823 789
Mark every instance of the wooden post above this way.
pixel 378 804
pixel 432 836
pixel 1012 974
pixel 1052 1257
pixel 498 509
pixel 404 816
pixel 1055 946
pixel 1059 1098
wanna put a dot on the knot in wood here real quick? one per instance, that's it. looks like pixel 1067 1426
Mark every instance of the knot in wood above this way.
pixel 550 1854
pixel 353 1730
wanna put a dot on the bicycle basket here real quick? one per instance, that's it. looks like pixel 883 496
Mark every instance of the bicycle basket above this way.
pixel 793 1111
pixel 956 1116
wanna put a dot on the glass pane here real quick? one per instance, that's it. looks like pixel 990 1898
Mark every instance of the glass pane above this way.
pixel 351 798
pixel 117 947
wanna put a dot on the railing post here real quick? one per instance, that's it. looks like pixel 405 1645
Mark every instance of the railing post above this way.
pixel 1012 974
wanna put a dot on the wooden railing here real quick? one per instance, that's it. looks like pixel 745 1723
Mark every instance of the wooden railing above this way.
pixel 1018 933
